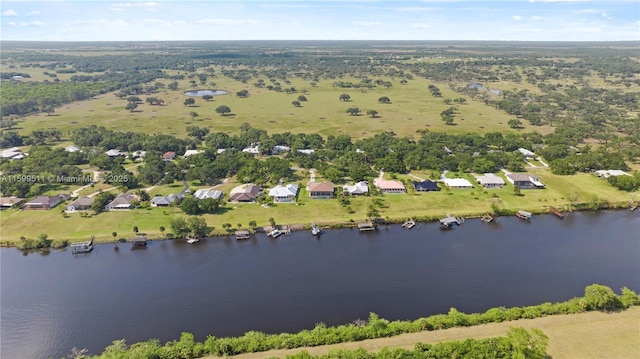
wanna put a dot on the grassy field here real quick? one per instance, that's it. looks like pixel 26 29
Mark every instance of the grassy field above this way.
pixel 561 191
pixel 412 108
pixel 586 335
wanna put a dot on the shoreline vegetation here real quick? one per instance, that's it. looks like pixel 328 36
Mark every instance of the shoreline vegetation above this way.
pixel 596 298
pixel 43 243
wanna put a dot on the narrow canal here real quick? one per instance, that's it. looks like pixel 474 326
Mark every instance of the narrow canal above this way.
pixel 220 286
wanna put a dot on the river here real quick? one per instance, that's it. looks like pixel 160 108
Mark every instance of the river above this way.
pixel 220 286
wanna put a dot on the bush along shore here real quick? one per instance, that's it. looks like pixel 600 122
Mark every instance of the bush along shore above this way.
pixel 596 297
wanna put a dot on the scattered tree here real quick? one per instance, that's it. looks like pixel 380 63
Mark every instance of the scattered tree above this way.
pixel 223 110
pixel 131 106
pixel 296 103
pixel 372 113
pixel 344 97
pixel 384 99
pixel 189 102
pixel 353 111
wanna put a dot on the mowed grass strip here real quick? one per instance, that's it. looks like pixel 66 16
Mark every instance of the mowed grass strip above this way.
pixel 586 335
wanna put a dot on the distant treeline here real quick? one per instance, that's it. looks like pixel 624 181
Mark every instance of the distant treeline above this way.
pixel 596 297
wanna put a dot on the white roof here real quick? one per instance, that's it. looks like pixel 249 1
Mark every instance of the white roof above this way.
pixel 289 190
pixel 10 152
pixel 358 188
pixel 72 148
pixel 253 150
pixel 457 182
pixel 208 193
pixel 490 178
pixel 220 150
pixel 526 152
pixel 279 148
pixel 188 153
pixel 114 152
pixel 609 173
pixel 306 151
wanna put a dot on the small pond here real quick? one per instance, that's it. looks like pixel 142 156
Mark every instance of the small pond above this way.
pixel 200 93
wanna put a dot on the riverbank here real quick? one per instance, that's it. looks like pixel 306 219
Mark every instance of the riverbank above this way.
pixel 570 336
pixel 142 218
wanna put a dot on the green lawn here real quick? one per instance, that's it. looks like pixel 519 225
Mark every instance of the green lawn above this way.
pixel 560 192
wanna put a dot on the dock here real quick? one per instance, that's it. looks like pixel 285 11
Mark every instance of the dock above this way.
pixel 366 226
pixel 274 233
pixel 138 242
pixel 240 235
pixel 487 218
pixel 523 215
pixel 555 211
pixel 409 224
pixel 82 247
pixel 192 240
pixel 449 221
pixel 315 230
pixel 286 230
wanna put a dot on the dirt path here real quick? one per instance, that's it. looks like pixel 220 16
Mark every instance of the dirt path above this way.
pixel 585 335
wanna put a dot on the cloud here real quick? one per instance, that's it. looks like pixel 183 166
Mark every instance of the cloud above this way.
pixel 11 23
pixel 9 13
pixel 230 22
pixel 32 23
pixel 146 6
pixel 536 18
pixel 365 23
pixel 517 17
pixel 33 13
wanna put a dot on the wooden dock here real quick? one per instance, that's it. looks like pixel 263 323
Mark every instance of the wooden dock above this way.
pixel 138 242
pixel 366 226
pixel 523 215
pixel 286 230
pixel 82 247
pixel 487 218
pixel 449 221
pixel 555 211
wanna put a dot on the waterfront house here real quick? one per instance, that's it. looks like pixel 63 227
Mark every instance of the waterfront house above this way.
pixel 245 193
pixel 358 189
pixel 320 190
pixel 164 201
pixel 525 181
pixel 490 180
pixel 8 202
pixel 389 186
pixel 80 204
pixel 284 194
pixel 168 156
pixel 208 193
pixel 123 202
pixel 426 186
pixel 45 202
pixel 457 183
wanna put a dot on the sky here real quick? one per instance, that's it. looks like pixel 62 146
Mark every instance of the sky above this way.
pixel 520 20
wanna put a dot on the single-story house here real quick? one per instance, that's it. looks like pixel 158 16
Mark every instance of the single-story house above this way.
pixel 188 153
pixel 283 194
pixel 123 202
pixel 138 154
pixel 8 202
pixel 80 204
pixel 306 151
pixel 426 186
pixel 169 156
pixel 360 188
pixel 524 180
pixel 526 152
pixel 253 149
pixel 318 190
pixel 72 148
pixel 475 85
pixel 609 173
pixel 45 202
pixel 278 148
pixel 208 193
pixel 496 92
pixel 490 180
pixel 164 201
pixel 220 150
pixel 457 183
pixel 389 186
pixel 245 193
pixel 115 153
pixel 13 153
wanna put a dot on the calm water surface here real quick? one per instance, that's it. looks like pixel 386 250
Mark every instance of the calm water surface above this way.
pixel 51 303
pixel 200 93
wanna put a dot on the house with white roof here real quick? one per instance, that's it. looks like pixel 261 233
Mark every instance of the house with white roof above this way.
pixel 360 188
pixel 609 173
pixel 526 152
pixel 13 153
pixel 306 151
pixel 115 153
pixel 208 193
pixel 284 194
pixel 188 153
pixel 277 149
pixel 253 149
pixel 72 148
pixel 457 183
pixel 490 180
